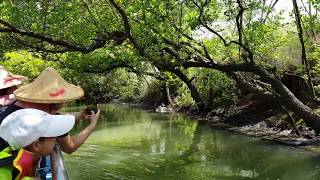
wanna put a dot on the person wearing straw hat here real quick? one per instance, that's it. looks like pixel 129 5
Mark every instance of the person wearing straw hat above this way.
pixel 8 83
pixel 29 134
pixel 48 92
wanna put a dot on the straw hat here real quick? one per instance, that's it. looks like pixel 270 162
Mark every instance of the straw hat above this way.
pixel 49 87
pixel 8 80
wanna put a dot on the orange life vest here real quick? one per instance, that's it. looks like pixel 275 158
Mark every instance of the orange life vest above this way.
pixel 23 162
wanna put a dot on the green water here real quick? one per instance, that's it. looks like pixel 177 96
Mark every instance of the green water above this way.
pixel 131 144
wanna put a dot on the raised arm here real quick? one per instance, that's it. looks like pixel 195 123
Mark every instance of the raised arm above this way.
pixel 69 143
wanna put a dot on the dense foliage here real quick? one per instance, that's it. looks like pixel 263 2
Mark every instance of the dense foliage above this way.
pixel 189 53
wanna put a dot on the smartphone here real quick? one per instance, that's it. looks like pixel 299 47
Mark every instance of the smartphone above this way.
pixel 91 107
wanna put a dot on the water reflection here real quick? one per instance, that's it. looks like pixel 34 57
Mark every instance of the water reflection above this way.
pixel 131 144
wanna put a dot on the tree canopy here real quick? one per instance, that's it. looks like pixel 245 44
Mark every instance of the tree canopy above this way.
pixel 205 47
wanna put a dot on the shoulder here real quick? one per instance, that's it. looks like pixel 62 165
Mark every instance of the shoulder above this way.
pixel 6 110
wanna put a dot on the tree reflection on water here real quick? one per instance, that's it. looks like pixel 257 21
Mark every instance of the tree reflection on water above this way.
pixel 132 144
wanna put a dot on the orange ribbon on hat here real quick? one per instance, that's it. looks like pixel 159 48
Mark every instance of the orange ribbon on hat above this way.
pixel 57 93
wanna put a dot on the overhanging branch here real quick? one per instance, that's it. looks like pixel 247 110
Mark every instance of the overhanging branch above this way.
pixel 127 27
pixel 98 42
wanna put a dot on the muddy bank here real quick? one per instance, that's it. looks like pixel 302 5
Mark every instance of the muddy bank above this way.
pixel 263 119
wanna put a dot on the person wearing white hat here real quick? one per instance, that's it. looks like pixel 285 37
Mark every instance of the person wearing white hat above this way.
pixel 48 92
pixel 29 134
pixel 8 83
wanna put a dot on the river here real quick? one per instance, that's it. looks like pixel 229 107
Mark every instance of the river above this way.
pixel 130 143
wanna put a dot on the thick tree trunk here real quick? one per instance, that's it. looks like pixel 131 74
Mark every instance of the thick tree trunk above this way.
pixel 193 89
pixel 298 85
pixel 254 88
pixel 245 86
pixel 286 97
pixel 289 100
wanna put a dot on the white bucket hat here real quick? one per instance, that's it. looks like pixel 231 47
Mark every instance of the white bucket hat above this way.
pixel 24 126
pixel 8 80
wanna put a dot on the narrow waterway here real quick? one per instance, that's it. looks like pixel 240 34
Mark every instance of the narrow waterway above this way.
pixel 132 144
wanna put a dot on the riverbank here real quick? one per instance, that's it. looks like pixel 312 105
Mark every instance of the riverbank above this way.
pixel 262 119
pixel 258 119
